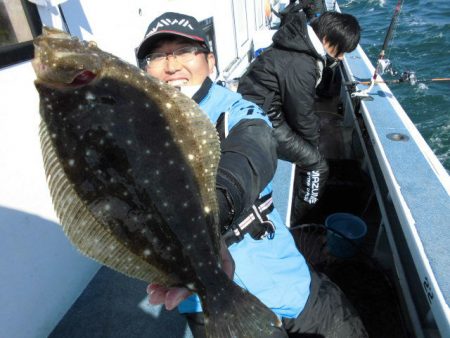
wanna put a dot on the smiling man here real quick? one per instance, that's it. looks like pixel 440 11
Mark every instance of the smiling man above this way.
pixel 172 62
pixel 266 260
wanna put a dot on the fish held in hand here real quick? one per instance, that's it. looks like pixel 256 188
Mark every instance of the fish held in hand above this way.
pixel 131 165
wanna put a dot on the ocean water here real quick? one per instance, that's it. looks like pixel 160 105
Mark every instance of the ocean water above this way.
pixel 421 44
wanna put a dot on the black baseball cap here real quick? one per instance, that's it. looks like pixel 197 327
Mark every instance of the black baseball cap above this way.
pixel 171 23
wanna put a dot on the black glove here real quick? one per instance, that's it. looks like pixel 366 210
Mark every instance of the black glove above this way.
pixel 275 116
pixel 312 181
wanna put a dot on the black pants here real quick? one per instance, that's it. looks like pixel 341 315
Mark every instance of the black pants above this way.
pixel 327 314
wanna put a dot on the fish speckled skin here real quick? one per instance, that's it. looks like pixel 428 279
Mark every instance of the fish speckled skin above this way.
pixel 131 167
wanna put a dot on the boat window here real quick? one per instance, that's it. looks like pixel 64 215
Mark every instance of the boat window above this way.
pixel 240 24
pixel 19 24
pixel 259 14
pixel 208 27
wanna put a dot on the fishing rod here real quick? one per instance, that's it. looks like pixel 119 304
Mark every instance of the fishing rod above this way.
pixel 402 81
pixel 383 63
pixel 407 77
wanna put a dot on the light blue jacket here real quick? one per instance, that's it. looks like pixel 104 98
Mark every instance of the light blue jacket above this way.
pixel 271 269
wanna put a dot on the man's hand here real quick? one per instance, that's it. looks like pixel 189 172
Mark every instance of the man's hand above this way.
pixel 172 297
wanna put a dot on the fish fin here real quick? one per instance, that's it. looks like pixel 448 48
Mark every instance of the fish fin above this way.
pixel 84 231
pixel 239 314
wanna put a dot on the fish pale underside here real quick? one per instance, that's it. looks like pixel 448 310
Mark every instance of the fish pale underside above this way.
pixel 131 166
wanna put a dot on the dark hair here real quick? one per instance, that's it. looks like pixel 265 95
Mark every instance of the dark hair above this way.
pixel 342 31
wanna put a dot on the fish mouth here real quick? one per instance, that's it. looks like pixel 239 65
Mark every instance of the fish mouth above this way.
pixel 46 76
pixel 64 61
pixel 59 77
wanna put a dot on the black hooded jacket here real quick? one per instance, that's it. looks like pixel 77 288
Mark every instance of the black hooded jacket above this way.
pixel 284 78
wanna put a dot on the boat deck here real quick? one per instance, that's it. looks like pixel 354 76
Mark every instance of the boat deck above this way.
pixel 116 306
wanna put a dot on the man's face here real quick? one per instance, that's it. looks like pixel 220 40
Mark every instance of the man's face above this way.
pixel 178 71
pixel 332 51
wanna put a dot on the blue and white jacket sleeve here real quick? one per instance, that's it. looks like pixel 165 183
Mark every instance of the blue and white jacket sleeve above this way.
pixel 249 157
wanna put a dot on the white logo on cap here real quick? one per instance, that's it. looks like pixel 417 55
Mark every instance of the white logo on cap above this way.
pixel 167 22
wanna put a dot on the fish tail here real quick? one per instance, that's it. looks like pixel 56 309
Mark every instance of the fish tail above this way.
pixel 236 313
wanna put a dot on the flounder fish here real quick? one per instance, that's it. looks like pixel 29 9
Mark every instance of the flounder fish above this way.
pixel 131 165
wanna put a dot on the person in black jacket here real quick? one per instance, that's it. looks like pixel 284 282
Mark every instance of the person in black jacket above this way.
pixel 283 81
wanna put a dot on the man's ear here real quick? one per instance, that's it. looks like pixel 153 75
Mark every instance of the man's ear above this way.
pixel 211 62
